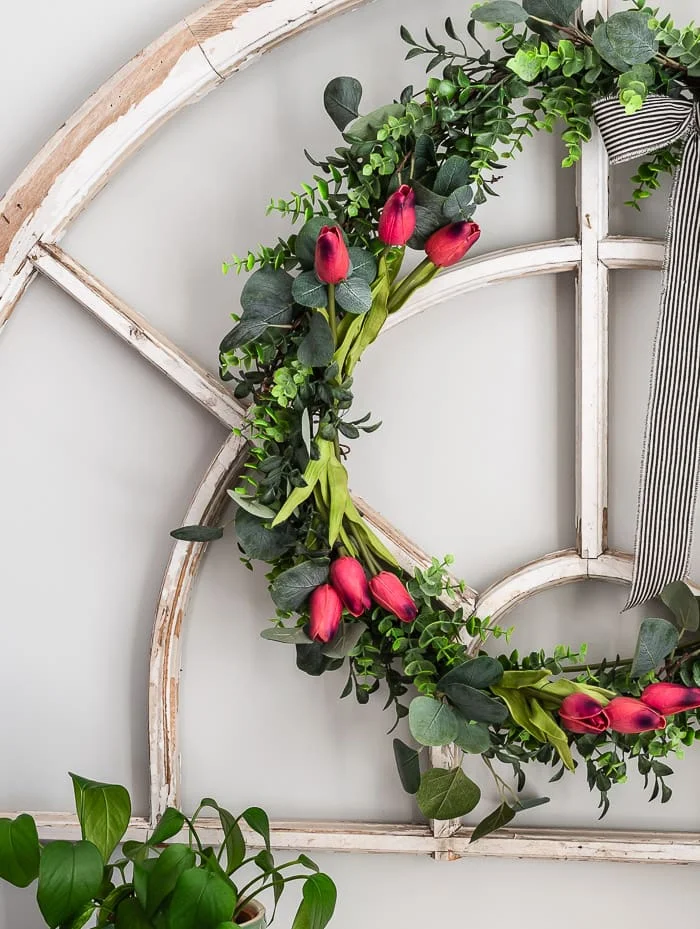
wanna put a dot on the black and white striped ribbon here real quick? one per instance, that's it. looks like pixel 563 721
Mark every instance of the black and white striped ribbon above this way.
pixel 670 458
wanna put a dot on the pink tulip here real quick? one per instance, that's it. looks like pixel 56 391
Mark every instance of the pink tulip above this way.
pixel 629 715
pixel 332 260
pixel 668 699
pixel 398 219
pixel 350 583
pixel 389 592
pixel 325 610
pixel 450 244
pixel 581 713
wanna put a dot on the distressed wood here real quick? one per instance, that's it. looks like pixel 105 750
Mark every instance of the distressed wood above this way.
pixel 621 253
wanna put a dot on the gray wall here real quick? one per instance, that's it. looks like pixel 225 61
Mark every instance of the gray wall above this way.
pixel 100 455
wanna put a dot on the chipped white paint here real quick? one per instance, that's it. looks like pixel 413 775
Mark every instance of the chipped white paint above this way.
pixel 179 68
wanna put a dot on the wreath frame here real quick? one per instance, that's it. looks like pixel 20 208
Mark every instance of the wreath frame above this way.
pixel 45 215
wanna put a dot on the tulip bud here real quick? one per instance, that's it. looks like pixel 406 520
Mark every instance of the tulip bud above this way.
pixel 581 713
pixel 390 593
pixel 668 699
pixel 629 715
pixel 451 243
pixel 325 610
pixel 350 583
pixel 332 260
pixel 398 219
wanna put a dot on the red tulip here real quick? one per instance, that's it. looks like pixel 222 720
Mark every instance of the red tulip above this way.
pixel 325 611
pixel 451 243
pixel 668 699
pixel 629 715
pixel 350 583
pixel 581 713
pixel 398 219
pixel 332 261
pixel 390 593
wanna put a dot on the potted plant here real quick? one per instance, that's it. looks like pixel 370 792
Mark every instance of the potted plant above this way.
pixel 172 880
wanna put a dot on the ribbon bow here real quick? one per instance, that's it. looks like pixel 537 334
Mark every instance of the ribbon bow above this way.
pixel 671 455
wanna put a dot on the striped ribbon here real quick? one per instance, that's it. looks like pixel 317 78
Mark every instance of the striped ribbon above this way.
pixel 670 457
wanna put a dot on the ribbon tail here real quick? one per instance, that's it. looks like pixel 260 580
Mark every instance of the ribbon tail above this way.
pixel 668 483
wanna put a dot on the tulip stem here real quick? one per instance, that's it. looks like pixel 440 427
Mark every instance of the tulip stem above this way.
pixel 366 554
pixel 331 314
pixel 420 276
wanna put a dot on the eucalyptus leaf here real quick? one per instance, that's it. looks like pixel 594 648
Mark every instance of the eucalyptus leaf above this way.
pixel 363 263
pixel 259 541
pixel 474 704
pixel 429 215
pixel 454 173
pixel 603 45
pixel 19 850
pixel 479 672
pixel 500 817
pixel 657 639
pixel 317 347
pixel 287 635
pixel 365 128
pixel 473 738
pixel 307 290
pixel 682 604
pixel 432 722
pixel 345 640
pixel 559 12
pixel 267 301
pixel 408 765
pixel 447 793
pixel 500 11
pixel 251 505
pixel 341 98
pixel 354 295
pixel 197 533
pixel 291 589
pixel 631 38
pixel 310 658
pixel 459 205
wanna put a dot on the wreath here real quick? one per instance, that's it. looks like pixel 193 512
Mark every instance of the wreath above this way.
pixel 411 176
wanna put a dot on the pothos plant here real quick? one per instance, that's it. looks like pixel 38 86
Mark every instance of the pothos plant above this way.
pixel 409 177
pixel 172 880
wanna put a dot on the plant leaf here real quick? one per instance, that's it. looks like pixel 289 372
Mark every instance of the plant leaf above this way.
pixel 70 874
pixel 479 672
pixel 500 817
pixel 19 850
pixel 657 639
pixel 345 639
pixel 500 11
pixel 251 505
pixel 197 533
pixel 341 98
pixel 267 301
pixel 354 295
pixel 163 877
pixel 316 348
pixel 631 38
pixel 201 899
pixel 560 12
pixel 473 738
pixel 259 822
pixel 307 290
pixel 318 903
pixel 432 722
pixel 408 764
pixel 292 587
pixel 364 264
pixel 104 811
pixel 259 541
pixel 474 704
pixel 447 794
pixel 170 823
pixel 286 635
pixel 453 173
pixel 682 604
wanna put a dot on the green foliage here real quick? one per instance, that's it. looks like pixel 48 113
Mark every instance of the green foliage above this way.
pixel 657 639
pixel 447 794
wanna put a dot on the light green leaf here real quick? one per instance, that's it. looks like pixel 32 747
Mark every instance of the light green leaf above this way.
pixel 432 722
pixel 337 478
pixel 251 505
pixel 314 469
pixel 104 811
pixel 291 589
pixel 19 850
pixel 447 794
pixel 473 737
pixel 345 640
pixel 354 295
pixel 286 635
pixel 682 604
pixel 553 733
pixel 657 639
pixel 365 128
pixel 526 63
pixel 70 875
pixel 307 290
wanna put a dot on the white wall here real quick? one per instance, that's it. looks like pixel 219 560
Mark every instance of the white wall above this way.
pixel 100 455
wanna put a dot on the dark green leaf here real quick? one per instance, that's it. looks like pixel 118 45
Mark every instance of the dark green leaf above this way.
pixel 364 264
pixel 318 903
pixel 500 11
pixel 170 823
pixel 290 589
pixel 259 541
pixel 682 604
pixel 429 215
pixel 531 802
pixel 307 862
pixel 657 639
pixel 267 301
pixel 164 875
pixel 311 660
pixel 354 295
pixel 474 704
pixel 70 874
pixel 459 205
pixel 130 915
pixel 345 639
pixel 317 347
pixel 432 722
pixel 234 843
pixel 341 99
pixel 479 672
pixel 201 899
pixel 447 794
pixel 258 821
pixel 408 764
pixel 19 850
pixel 197 533
pixel 500 817
pixel 85 915
pixel 559 12
pixel 453 173
pixel 307 290
pixel 104 811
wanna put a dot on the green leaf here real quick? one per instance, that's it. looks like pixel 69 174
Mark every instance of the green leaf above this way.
pixel 345 640
pixel 459 205
pixel 500 11
pixel 605 48
pixel 291 589
pixel 500 817
pixel 473 737
pixel 630 37
pixel 307 290
pixel 657 639
pixel 171 863
pixel 553 733
pixel 366 127
pixel 560 12
pixel 70 874
pixel 19 850
pixel 130 915
pixel 317 347
pixel 429 215
pixel 201 899
pixel 318 903
pixel 432 722
pixel 682 604
pixel 447 794
pixel 453 174
pixel 354 295
pixel 259 541
pixel 267 301
pixel 286 635
pixel 81 918
pixel 258 821
pixel 305 245
pixel 197 533
pixel 526 63
pixel 170 823
pixel 474 704
pixel 479 672
pixel 408 764
pixel 311 660
pixel 341 98
pixel 104 811
pixel 251 505
pixel 529 803
pixel 363 264
pixel 234 843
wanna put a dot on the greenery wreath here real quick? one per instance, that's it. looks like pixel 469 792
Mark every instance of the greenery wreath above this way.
pixel 411 175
